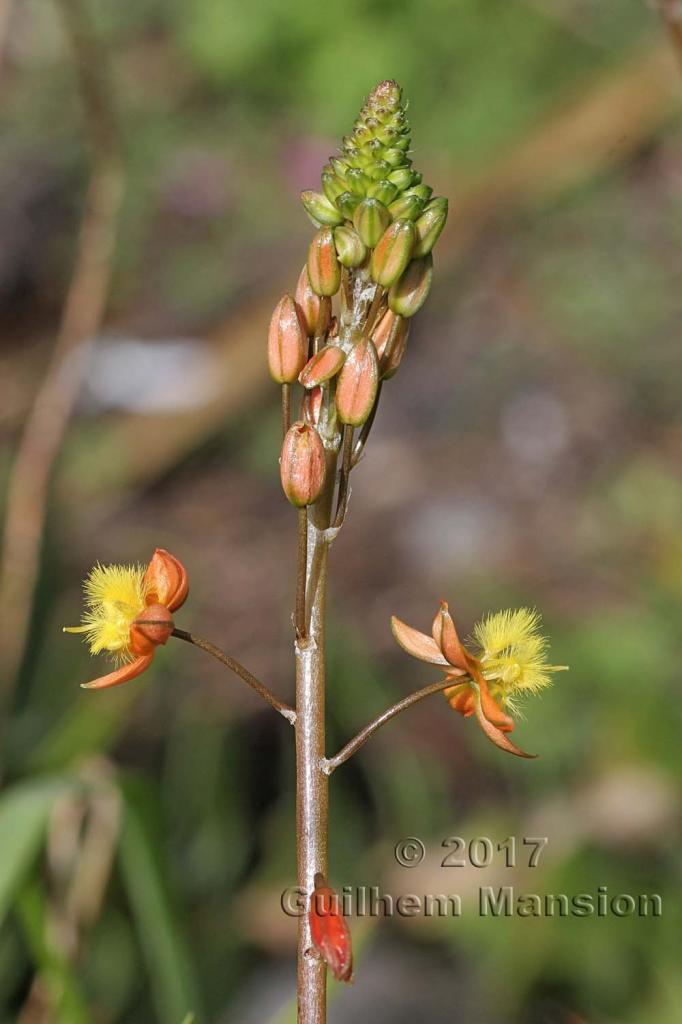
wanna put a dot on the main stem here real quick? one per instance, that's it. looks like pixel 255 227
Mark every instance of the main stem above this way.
pixel 312 779
pixel 312 783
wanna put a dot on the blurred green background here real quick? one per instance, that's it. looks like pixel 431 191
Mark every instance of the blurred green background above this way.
pixel 528 452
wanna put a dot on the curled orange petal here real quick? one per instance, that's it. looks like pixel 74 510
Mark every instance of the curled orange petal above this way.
pixel 121 675
pixel 446 637
pixel 461 699
pixel 166 580
pixel 419 645
pixel 494 734
pixel 491 709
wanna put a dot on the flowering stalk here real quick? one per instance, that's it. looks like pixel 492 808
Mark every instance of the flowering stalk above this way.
pixel 341 336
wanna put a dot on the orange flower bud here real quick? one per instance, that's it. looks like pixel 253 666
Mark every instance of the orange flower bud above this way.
pixel 390 364
pixel 393 252
pixel 408 295
pixel 356 388
pixel 389 322
pixel 152 627
pixel 329 931
pixel 287 342
pixel 311 406
pixel 324 269
pixel 322 367
pixel 308 303
pixel 302 464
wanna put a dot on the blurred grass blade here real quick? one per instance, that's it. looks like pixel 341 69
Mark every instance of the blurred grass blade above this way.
pixel 23 816
pixel 85 728
pixel 174 988
pixel 67 1002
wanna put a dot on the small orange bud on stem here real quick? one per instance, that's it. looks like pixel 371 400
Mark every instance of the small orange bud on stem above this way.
pixel 302 464
pixel 329 931
pixel 287 343
pixel 324 269
pixel 357 384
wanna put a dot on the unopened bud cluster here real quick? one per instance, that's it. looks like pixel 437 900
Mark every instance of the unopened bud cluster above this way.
pixel 377 223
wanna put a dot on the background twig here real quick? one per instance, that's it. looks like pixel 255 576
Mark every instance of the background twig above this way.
pixel 81 317
pixel 671 13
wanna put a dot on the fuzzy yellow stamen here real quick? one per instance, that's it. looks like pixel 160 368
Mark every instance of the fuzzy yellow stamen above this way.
pixel 513 653
pixel 114 597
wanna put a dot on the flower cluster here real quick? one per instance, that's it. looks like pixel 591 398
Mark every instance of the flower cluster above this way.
pixel 377 224
pixel 129 613
pixel 510 660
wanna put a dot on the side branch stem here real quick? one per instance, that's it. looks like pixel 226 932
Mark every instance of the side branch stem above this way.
pixel 365 431
pixel 332 763
pixel 286 407
pixel 346 465
pixel 235 666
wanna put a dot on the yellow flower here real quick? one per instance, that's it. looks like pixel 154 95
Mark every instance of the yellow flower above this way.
pixel 114 597
pixel 513 653
pixel 512 659
pixel 129 613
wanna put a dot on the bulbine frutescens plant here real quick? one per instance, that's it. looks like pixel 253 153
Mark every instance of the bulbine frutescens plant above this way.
pixel 340 336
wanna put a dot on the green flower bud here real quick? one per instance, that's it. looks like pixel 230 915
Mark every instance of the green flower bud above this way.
pixel 377 144
pixel 339 166
pixel 393 252
pixel 371 149
pixel 374 165
pixel 395 157
pixel 408 295
pixel 429 226
pixel 403 177
pixel 378 170
pixel 385 96
pixel 438 202
pixel 324 270
pixel 349 246
pixel 371 218
pixel 423 191
pixel 347 202
pixel 386 136
pixel 320 209
pixel 385 191
pixel 332 186
pixel 406 207
pixel 357 181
